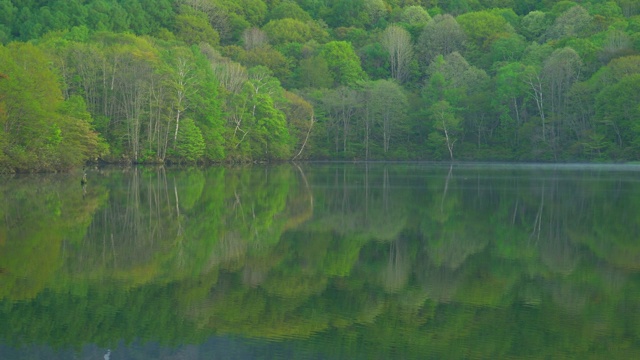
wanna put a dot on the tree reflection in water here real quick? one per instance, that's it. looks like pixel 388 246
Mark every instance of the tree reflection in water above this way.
pixel 348 261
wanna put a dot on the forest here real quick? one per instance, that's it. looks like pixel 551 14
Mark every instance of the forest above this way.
pixel 226 81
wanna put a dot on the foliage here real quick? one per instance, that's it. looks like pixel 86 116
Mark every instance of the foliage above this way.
pixel 399 260
pixel 142 66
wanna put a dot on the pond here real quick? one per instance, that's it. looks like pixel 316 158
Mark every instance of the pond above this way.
pixel 322 261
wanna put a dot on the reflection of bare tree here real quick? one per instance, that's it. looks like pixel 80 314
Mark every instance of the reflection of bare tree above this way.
pixel 538 220
pixel 385 189
pixel 439 283
pixel 135 223
pixel 557 251
pixel 300 204
pixel 454 246
pixel 549 229
pixel 396 274
pixel 446 188
pixel 363 201
pixel 254 274
pixel 568 296
pixel 180 232
pixel 230 249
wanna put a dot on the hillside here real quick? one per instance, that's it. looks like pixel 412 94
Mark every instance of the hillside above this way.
pixel 141 81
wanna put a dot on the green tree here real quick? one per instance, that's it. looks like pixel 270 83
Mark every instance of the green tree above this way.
pixel 270 136
pixel 511 93
pixel 534 24
pixel 573 22
pixel 190 144
pixel 195 28
pixel 343 62
pixel 387 108
pixel 482 28
pixel 40 131
pixel 281 31
pixel 289 10
pixel 314 72
pixel 617 109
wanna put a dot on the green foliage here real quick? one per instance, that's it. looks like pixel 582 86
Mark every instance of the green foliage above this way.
pixel 286 30
pixel 373 260
pixel 40 130
pixel 190 144
pixel 129 61
pixel 195 28
pixel 314 73
pixel 289 10
pixel 617 107
pixel 482 29
pixel 343 63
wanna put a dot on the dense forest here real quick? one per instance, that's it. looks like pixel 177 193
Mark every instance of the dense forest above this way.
pixel 184 81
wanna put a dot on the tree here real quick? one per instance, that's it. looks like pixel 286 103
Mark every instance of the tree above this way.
pixel 254 38
pixel 375 61
pixel 283 31
pixel 397 42
pixel 441 36
pixel 508 48
pixel 8 14
pixel 343 62
pixel 415 15
pixel 561 70
pixel 347 13
pixel 300 120
pixel 314 72
pixel 270 137
pixel 289 10
pixel 340 106
pixel 445 120
pixel 194 29
pixel 615 45
pixel 39 130
pixel 482 28
pixel 387 106
pixel 534 24
pixel 459 76
pixel 509 99
pixel 572 23
pixel 617 108
pixel 206 107
pixel 268 57
pixel 189 144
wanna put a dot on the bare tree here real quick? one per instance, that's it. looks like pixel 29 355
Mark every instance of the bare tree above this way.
pixel 232 76
pixel 535 83
pixel 561 70
pixel 253 38
pixel 183 84
pixel 341 106
pixel 388 104
pixel 397 41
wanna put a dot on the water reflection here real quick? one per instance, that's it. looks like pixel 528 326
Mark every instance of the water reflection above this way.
pixel 323 261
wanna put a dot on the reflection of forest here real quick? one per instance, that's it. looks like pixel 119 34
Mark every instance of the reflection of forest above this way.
pixel 385 260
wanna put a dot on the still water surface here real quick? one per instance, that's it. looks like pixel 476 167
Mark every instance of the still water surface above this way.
pixel 322 261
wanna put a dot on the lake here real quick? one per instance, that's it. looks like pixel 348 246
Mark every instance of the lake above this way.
pixel 322 261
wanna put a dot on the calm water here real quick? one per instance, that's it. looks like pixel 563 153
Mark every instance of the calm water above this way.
pixel 324 261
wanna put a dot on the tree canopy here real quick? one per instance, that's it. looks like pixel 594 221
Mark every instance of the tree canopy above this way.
pixel 140 67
